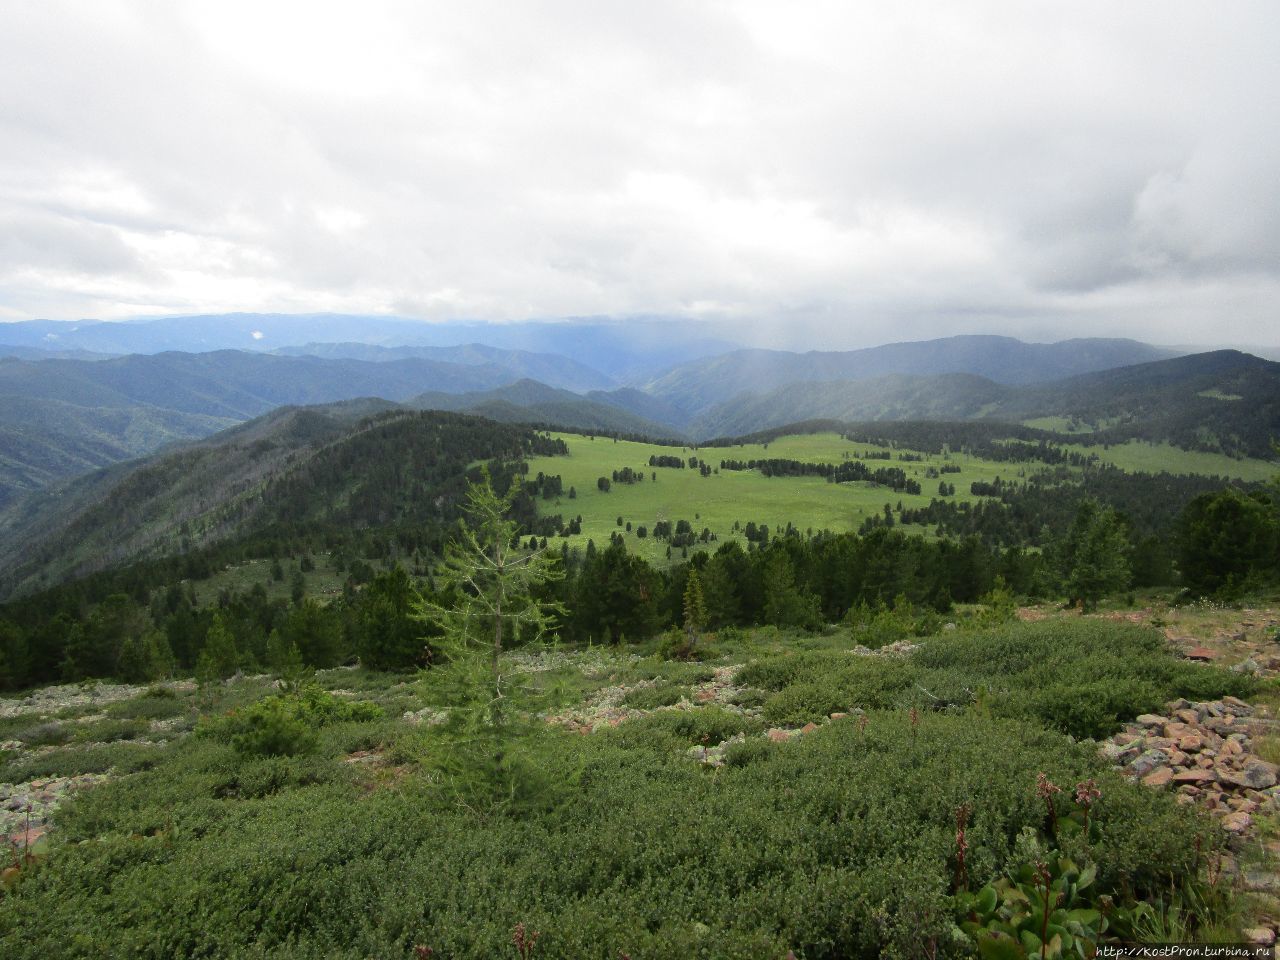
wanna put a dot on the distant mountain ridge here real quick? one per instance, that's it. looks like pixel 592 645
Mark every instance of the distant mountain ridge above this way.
pixel 621 348
pixel 698 386
pixel 551 369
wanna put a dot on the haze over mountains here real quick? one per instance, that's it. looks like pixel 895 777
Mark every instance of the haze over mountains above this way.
pixel 79 396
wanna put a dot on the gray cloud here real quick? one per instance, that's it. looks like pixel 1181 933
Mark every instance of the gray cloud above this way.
pixel 831 173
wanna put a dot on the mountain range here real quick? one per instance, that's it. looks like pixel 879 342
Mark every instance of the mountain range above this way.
pixel 68 406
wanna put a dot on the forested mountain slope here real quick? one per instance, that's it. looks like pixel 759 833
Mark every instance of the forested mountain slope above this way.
pixel 291 468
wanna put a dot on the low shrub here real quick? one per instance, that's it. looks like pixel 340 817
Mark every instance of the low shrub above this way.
pixel 836 845
pixel 286 724
pixel 158 703
pixel 647 698
pixel 51 734
pixel 1082 677
pixel 706 725
pixel 110 730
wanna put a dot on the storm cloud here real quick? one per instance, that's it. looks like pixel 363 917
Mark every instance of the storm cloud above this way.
pixel 820 174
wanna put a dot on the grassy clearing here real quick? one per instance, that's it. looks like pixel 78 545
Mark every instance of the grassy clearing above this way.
pixel 322 582
pixel 1138 456
pixel 718 501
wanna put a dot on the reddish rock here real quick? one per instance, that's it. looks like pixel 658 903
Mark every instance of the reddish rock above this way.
pixel 779 736
pixel 1158 778
pixel 1191 743
pixel 1174 731
pixel 1204 654
pixel 1237 822
pixel 838 715
pixel 809 727
pixel 1204 762
pixel 1188 716
pixel 1193 776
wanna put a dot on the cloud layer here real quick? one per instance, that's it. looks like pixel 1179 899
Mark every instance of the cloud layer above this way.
pixel 835 174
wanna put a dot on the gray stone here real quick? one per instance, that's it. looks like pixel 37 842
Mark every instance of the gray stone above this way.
pixel 1147 762
pixel 1256 775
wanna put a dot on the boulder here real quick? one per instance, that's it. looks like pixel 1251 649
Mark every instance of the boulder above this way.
pixel 1256 775
pixel 1158 778
pixel 1150 720
pixel 1237 822
pixel 1147 762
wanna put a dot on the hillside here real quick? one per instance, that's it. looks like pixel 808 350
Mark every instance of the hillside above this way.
pixel 528 401
pixel 60 417
pixel 292 467
pixel 698 386
pixel 954 396
pixel 1225 401
pixel 44 441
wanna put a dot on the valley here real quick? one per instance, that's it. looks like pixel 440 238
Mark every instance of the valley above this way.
pixel 249 680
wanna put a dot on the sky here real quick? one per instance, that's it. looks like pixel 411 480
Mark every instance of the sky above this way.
pixel 826 174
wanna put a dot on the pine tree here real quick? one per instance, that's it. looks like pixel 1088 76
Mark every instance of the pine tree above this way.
pixel 1095 555
pixel 487 600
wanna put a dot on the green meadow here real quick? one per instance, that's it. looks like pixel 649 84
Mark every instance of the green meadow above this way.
pixel 718 501
pixel 1139 456
pixel 727 497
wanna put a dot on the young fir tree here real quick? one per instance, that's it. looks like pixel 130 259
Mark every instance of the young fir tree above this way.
pixel 488 598
pixel 695 612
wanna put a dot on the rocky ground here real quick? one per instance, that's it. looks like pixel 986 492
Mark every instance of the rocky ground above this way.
pixel 60 718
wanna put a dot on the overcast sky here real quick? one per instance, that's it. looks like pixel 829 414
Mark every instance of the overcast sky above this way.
pixel 838 174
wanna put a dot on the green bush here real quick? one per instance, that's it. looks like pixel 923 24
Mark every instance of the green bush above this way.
pixel 803 702
pixel 158 703
pixel 273 728
pixel 836 845
pixel 107 731
pixel 647 698
pixel 1082 677
pixel 706 725
pixel 51 734
pixel 286 724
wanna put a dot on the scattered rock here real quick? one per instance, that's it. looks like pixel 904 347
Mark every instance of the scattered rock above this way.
pixel 1203 654
pixel 1205 754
